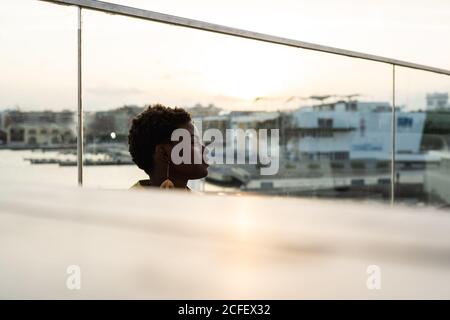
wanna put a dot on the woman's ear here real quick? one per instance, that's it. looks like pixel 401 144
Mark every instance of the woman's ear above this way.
pixel 162 152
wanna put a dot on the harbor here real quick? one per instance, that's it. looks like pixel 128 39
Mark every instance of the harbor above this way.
pixel 335 149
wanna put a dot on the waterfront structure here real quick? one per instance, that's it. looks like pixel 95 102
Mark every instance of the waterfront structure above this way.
pixel 19 129
pixel 356 131
pixel 199 111
pixel 437 101
pixel 110 125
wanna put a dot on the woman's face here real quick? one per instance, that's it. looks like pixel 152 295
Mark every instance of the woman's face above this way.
pixel 197 168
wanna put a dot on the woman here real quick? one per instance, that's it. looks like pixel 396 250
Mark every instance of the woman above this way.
pixel 151 147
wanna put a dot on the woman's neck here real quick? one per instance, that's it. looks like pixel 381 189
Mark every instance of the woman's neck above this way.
pixel 158 177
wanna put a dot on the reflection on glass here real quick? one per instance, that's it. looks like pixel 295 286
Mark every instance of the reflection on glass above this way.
pixel 423 138
pixel 331 115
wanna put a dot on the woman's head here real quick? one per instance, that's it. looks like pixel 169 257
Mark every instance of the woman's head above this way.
pixel 150 142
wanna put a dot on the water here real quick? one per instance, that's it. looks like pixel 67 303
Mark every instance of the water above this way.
pixel 14 169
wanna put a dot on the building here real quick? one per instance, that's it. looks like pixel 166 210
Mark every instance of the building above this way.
pixel 437 101
pixel 356 131
pixel 37 128
pixel 204 111
pixel 3 135
pixel 111 125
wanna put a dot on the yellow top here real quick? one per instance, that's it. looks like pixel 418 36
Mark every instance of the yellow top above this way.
pixel 145 184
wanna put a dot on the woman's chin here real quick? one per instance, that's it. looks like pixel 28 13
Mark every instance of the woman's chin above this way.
pixel 202 171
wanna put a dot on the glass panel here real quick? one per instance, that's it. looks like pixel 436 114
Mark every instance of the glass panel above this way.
pixel 37 92
pixel 345 24
pixel 332 114
pixel 423 138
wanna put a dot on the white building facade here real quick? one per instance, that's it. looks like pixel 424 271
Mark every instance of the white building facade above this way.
pixel 355 131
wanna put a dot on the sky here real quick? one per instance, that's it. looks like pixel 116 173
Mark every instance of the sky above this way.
pixel 129 61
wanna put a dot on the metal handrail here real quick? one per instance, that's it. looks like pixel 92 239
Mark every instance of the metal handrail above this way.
pixel 216 28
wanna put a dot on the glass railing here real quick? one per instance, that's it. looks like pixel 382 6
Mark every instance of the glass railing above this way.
pixel 332 109
pixel 422 138
pixel 38 93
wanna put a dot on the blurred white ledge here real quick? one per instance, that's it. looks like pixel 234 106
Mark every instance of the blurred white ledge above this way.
pixel 154 244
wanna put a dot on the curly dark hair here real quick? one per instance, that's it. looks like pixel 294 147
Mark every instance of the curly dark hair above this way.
pixel 151 127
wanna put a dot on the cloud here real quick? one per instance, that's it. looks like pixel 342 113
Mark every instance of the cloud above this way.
pixel 180 74
pixel 115 91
